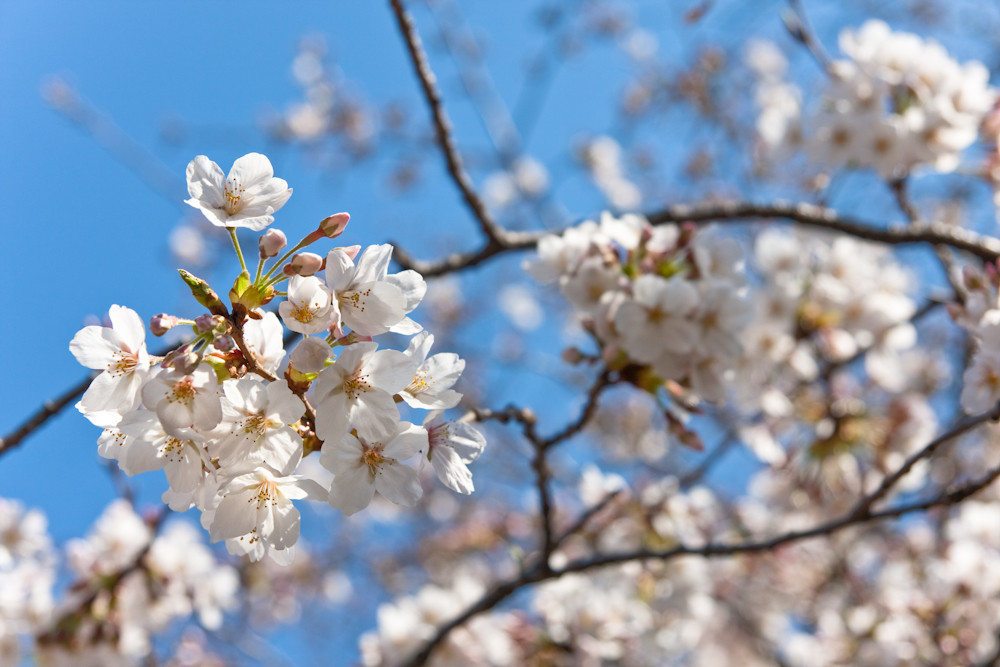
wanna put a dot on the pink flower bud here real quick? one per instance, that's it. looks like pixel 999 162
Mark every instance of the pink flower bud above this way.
pixel 271 243
pixel 305 264
pixel 162 323
pixel 572 355
pixel 334 225
pixel 224 343
pixel 204 323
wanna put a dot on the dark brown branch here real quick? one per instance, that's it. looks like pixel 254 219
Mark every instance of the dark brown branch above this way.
pixel 43 414
pixel 442 125
pixel 539 463
pixel 589 410
pixel 809 215
pixel 865 505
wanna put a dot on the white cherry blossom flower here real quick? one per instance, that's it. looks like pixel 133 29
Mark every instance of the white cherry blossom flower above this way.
pixel 430 388
pixel 248 197
pixel 451 447
pixel 655 319
pixel 366 465
pixel 981 382
pixel 255 423
pixel 310 308
pixel 357 391
pixel 119 352
pixel 144 445
pixel 255 514
pixel 372 302
pixel 184 401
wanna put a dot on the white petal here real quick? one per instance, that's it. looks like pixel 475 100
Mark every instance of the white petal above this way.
pixel 235 516
pixel 450 469
pixel 352 492
pixel 398 483
pixel 94 346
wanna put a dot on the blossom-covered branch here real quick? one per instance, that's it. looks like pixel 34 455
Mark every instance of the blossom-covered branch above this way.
pixel 540 570
pixel 808 215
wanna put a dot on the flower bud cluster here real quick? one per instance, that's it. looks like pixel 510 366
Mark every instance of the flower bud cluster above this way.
pixel 666 301
pixel 229 420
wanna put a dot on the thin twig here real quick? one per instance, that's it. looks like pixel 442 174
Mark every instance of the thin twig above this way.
pixel 442 125
pixel 603 381
pixel 928 450
pixel 945 258
pixel 48 410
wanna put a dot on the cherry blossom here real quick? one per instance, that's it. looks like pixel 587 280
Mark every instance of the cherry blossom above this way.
pixel 431 387
pixel 247 197
pixel 451 447
pixel 357 391
pixel 310 308
pixel 362 466
pixel 119 352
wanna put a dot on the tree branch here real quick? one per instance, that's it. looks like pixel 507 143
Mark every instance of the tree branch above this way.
pixel 936 234
pixel 442 125
pixel 48 410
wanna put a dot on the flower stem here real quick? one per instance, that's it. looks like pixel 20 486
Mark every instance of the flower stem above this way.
pixel 260 267
pixel 239 251
pixel 298 246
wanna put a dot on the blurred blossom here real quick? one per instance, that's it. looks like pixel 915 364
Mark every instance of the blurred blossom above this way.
pixel 188 245
pixel 518 303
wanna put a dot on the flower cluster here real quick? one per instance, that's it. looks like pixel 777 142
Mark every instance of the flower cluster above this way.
pixel 666 301
pixel 27 575
pixel 895 103
pixel 132 583
pixel 229 419
pixel 821 300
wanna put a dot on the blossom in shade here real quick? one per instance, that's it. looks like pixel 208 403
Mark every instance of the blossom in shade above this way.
pixel 451 447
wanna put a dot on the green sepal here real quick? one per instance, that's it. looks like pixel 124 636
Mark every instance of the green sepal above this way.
pixel 219 366
pixel 249 295
pixel 240 286
pixel 204 294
